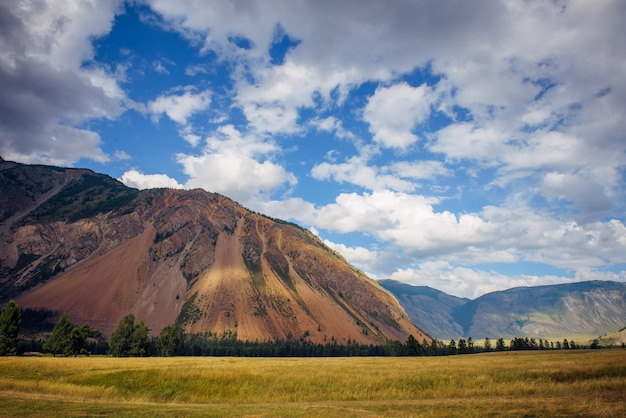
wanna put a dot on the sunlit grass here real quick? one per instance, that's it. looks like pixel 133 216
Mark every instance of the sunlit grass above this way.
pixel 555 383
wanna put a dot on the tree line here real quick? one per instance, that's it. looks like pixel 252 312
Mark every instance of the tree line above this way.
pixel 132 338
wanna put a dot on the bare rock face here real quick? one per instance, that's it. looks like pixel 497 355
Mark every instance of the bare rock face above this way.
pixel 83 243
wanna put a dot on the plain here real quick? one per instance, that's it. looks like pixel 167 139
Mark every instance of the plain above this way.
pixel 527 383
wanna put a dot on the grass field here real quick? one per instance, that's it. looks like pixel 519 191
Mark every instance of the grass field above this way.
pixel 569 383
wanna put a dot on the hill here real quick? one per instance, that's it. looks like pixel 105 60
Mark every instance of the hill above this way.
pixel 583 310
pixel 75 241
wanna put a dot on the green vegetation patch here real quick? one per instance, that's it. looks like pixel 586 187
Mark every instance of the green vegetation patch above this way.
pixel 85 197
pixel 190 312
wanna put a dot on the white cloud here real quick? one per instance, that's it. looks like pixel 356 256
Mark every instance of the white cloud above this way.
pixel 465 141
pixel 587 195
pixel 472 283
pixel 272 102
pixel 358 256
pixel 60 32
pixel 121 155
pixel 186 132
pixel 240 177
pixel 61 146
pixel 357 171
pixel 48 91
pixel 271 118
pixel 394 111
pixel 180 107
pixel 409 224
pixel 407 221
pixel 238 165
pixel 419 169
pixel 228 140
pixel 332 124
pixel 160 66
pixel 194 70
pixel 468 282
pixel 285 208
pixel 133 178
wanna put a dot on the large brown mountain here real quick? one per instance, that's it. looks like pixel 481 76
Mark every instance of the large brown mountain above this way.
pixel 79 242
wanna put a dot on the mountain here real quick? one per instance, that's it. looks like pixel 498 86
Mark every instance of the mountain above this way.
pixel 582 310
pixel 75 241
pixel 432 308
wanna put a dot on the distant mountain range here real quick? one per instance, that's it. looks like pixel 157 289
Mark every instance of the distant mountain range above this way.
pixel 75 241
pixel 583 310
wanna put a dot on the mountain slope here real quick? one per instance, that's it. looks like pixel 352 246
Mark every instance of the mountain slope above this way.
pixel 432 308
pixel 578 310
pixel 83 243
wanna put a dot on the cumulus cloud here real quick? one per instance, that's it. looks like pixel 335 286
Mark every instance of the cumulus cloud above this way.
pixel 48 91
pixel 468 282
pixel 138 180
pixel 357 171
pixel 241 178
pixel 408 221
pixel 392 113
pixel 332 124
pixel 179 107
pixel 420 169
pixel 237 165
pixel 229 140
pixel 587 195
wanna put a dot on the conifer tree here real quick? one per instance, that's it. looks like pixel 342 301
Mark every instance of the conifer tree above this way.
pixel 59 339
pixel 500 344
pixel 10 321
pixel 487 344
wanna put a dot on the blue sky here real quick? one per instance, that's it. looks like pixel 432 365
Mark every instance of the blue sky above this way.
pixel 468 146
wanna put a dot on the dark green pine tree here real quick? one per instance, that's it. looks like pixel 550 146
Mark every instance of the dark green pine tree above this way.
pixel 452 347
pixel 413 347
pixel 462 346
pixel 487 344
pixel 500 344
pixel 60 337
pixel 10 321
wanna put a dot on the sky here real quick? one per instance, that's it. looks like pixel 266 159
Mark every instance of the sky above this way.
pixel 470 146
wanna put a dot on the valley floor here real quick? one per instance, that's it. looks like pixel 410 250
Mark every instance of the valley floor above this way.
pixel 545 383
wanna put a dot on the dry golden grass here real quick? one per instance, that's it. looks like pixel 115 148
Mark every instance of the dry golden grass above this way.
pixel 556 383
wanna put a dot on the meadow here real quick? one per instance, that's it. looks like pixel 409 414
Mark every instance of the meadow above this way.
pixel 530 383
